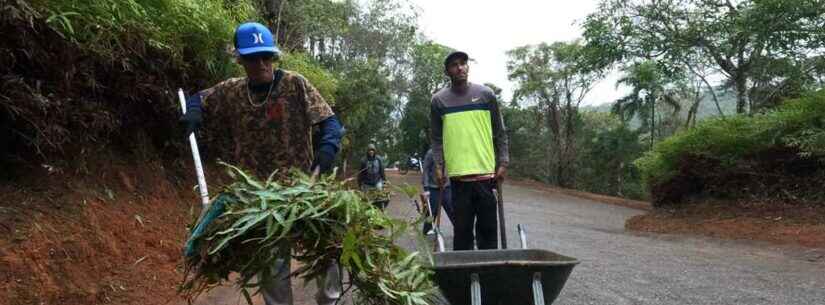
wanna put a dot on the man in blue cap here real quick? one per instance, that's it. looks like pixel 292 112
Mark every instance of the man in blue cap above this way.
pixel 264 122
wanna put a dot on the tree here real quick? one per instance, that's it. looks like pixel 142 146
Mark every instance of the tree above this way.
pixel 736 36
pixel 651 86
pixel 556 78
pixel 605 160
pixel 426 78
pixel 364 103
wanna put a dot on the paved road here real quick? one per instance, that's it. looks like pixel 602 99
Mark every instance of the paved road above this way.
pixel 624 268
pixel 618 267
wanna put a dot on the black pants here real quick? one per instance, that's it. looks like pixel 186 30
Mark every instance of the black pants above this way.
pixel 475 204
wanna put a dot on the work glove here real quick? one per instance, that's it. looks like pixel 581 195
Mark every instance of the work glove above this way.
pixel 323 161
pixel 192 120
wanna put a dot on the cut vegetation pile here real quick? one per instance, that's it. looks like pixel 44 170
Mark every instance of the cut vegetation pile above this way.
pixel 316 221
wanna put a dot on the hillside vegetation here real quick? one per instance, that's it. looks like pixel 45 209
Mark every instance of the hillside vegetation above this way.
pixel 778 154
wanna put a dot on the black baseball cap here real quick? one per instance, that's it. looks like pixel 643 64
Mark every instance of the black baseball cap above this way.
pixel 454 55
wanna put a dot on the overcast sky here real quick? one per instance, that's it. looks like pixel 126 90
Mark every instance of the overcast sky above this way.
pixel 486 30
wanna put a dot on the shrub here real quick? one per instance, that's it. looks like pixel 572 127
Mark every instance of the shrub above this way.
pixel 187 31
pixel 733 144
pixel 321 78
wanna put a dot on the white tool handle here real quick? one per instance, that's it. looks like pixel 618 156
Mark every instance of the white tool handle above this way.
pixel 196 156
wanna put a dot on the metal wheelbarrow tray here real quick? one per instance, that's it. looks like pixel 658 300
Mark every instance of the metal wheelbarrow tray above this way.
pixel 501 277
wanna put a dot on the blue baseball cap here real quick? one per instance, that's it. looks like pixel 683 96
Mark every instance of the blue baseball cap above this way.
pixel 253 37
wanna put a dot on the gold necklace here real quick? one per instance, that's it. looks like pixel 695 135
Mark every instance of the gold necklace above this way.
pixel 249 94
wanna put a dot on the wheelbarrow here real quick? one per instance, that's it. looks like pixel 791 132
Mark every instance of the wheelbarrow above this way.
pixel 503 276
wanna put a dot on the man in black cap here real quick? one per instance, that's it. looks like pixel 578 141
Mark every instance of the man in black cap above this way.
pixel 469 139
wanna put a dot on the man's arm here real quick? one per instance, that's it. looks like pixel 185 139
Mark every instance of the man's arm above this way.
pixel 501 141
pixel 428 169
pixel 193 119
pixel 320 113
pixel 437 142
pixel 436 129
pixel 381 168
pixel 331 134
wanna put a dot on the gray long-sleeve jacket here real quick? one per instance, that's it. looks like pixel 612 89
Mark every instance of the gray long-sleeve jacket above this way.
pixel 467 131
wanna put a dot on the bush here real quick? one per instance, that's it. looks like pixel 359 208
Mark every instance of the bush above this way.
pixel 321 78
pixel 187 31
pixel 737 146
pixel 77 76
pixel 80 75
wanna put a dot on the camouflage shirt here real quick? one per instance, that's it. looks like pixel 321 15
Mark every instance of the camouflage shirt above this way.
pixel 244 128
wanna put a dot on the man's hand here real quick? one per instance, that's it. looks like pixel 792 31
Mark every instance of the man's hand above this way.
pixel 191 121
pixel 439 175
pixel 501 173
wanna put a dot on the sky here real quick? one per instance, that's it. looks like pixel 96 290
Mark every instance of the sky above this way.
pixel 486 30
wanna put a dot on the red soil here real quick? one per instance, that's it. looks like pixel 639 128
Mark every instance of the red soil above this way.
pixel 114 237
pixel 774 222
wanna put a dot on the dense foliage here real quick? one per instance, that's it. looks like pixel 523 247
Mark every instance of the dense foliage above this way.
pixel 786 142
pixel 676 57
pixel 79 77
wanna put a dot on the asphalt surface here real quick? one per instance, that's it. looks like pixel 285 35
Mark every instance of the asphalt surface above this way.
pixel 620 267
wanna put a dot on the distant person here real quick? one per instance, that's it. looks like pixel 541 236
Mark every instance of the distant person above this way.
pixel 267 118
pixel 434 192
pixel 371 174
pixel 470 141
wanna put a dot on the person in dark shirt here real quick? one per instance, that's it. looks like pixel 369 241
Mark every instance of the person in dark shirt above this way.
pixel 371 174
pixel 434 193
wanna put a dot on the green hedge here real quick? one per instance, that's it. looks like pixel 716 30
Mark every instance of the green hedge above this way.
pixel 798 124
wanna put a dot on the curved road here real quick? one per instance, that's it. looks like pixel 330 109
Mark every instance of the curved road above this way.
pixel 618 267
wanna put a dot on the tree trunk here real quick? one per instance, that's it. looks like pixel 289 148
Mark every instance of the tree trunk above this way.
pixel 652 101
pixel 571 114
pixel 619 177
pixel 271 7
pixel 741 94
pixel 691 119
pixel 555 134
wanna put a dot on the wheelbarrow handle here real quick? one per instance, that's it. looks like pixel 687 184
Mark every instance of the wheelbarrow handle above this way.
pixel 501 223
pixel 439 240
pixel 522 233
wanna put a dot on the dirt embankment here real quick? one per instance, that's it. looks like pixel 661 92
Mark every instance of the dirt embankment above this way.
pixel 112 236
pixel 774 222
